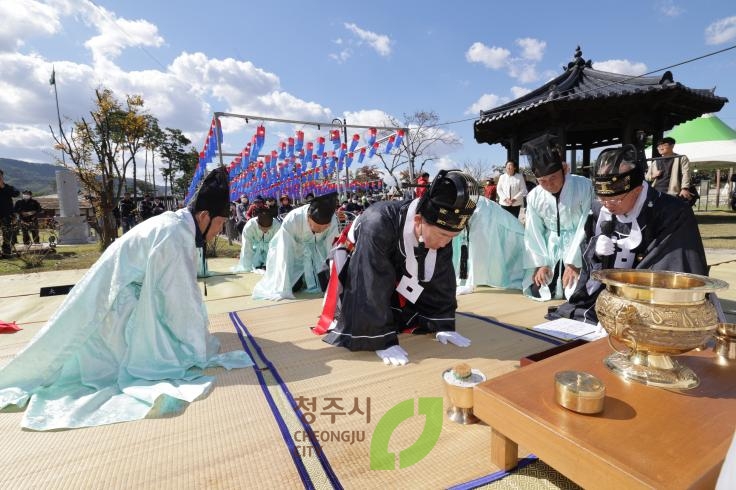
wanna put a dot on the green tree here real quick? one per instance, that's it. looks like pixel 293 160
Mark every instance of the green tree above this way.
pixel 181 161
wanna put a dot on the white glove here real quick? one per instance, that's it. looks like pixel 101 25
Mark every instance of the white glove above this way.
pixel 453 338
pixel 604 246
pixel 394 356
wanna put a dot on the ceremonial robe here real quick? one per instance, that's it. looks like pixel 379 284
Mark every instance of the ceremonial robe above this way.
pixel 544 245
pixel 130 338
pixel 254 245
pixel 371 312
pixel 293 253
pixel 665 237
pixel 495 240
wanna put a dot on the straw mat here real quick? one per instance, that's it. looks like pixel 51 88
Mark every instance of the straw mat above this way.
pixel 228 439
pixel 315 372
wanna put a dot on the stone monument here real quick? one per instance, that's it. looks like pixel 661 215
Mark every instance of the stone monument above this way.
pixel 73 229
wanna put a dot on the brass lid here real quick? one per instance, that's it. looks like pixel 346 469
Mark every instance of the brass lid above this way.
pixel 660 287
pixel 580 383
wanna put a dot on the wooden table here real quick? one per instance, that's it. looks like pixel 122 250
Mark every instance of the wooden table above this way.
pixel 645 437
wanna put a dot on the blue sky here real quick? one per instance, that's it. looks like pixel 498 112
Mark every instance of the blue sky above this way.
pixel 309 60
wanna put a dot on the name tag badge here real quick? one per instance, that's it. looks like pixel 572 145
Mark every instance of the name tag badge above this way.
pixel 409 288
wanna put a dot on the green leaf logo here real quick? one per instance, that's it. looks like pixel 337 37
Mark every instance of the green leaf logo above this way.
pixel 381 458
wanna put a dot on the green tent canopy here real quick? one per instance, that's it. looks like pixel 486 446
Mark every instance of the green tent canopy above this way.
pixel 707 141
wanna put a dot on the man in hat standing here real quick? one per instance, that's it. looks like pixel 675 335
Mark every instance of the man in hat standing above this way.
pixel 257 234
pixel 28 210
pixel 556 213
pixel 633 226
pixel 7 193
pixel 299 249
pixel 393 271
pixel 132 331
pixel 671 172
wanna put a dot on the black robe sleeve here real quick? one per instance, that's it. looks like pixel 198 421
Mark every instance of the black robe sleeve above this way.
pixel 371 313
pixel 670 242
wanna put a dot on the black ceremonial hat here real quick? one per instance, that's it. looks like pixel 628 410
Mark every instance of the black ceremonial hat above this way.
pixel 322 208
pixel 618 170
pixel 213 194
pixel 450 200
pixel 544 155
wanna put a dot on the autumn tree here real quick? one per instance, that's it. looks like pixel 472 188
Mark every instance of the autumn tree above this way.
pixel 93 146
pixel 368 173
pixel 424 142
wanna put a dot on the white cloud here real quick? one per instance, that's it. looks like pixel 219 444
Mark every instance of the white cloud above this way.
pixel 26 142
pixel 24 19
pixel 493 57
pixel 379 42
pixel 524 72
pixel 668 8
pixel 531 49
pixel 116 34
pixel 721 31
pixel 342 56
pixel 624 67
pixel 519 91
pixel 484 103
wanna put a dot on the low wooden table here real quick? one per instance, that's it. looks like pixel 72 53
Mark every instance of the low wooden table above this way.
pixel 645 437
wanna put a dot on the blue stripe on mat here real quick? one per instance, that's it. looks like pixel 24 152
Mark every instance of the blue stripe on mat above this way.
pixel 485 480
pixel 307 428
pixel 521 330
pixel 306 480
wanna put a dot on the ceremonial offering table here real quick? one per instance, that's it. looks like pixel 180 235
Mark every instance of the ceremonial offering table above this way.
pixel 645 437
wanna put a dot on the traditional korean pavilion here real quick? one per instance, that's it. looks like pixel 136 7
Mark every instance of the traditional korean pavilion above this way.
pixel 588 108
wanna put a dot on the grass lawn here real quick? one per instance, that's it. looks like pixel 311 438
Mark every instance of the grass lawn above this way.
pixel 717 227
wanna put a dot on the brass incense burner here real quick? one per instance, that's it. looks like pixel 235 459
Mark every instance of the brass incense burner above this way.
pixel 656 314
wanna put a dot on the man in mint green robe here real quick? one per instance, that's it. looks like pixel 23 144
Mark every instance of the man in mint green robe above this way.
pixel 131 337
pixel 495 241
pixel 298 251
pixel 257 234
pixel 555 217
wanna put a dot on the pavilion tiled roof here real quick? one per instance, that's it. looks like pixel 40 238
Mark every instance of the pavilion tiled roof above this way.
pixel 589 99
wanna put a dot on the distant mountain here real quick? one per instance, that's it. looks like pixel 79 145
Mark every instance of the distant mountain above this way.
pixel 40 178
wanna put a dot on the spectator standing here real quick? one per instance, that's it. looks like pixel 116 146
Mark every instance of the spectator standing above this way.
pixel 146 207
pixel 422 185
pixel 7 193
pixel 127 212
pixel 241 209
pixel 490 189
pixel 158 206
pixel 670 173
pixel 285 206
pixel 258 203
pixel 28 210
pixel 511 189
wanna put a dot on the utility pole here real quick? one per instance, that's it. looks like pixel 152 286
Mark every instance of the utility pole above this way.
pixel 344 124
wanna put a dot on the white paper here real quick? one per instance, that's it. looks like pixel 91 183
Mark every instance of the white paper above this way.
pixel 567 329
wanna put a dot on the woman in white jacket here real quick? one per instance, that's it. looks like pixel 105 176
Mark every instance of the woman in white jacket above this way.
pixel 511 189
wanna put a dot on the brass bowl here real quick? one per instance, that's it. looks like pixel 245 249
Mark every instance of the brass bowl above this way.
pixel 725 346
pixel 656 314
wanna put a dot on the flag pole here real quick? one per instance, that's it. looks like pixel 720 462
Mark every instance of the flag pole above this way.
pixel 52 81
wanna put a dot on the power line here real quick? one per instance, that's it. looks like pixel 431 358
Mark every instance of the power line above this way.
pixel 633 77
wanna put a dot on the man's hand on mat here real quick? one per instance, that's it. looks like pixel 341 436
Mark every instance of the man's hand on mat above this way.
pixel 394 356
pixel 453 338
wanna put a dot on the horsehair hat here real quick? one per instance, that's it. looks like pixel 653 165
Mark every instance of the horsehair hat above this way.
pixel 544 154
pixel 618 170
pixel 322 208
pixel 213 194
pixel 450 200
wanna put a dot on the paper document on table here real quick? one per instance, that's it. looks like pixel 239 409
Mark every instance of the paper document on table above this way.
pixel 567 329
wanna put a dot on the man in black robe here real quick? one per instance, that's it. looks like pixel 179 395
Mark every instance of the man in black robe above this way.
pixel 393 272
pixel 632 226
